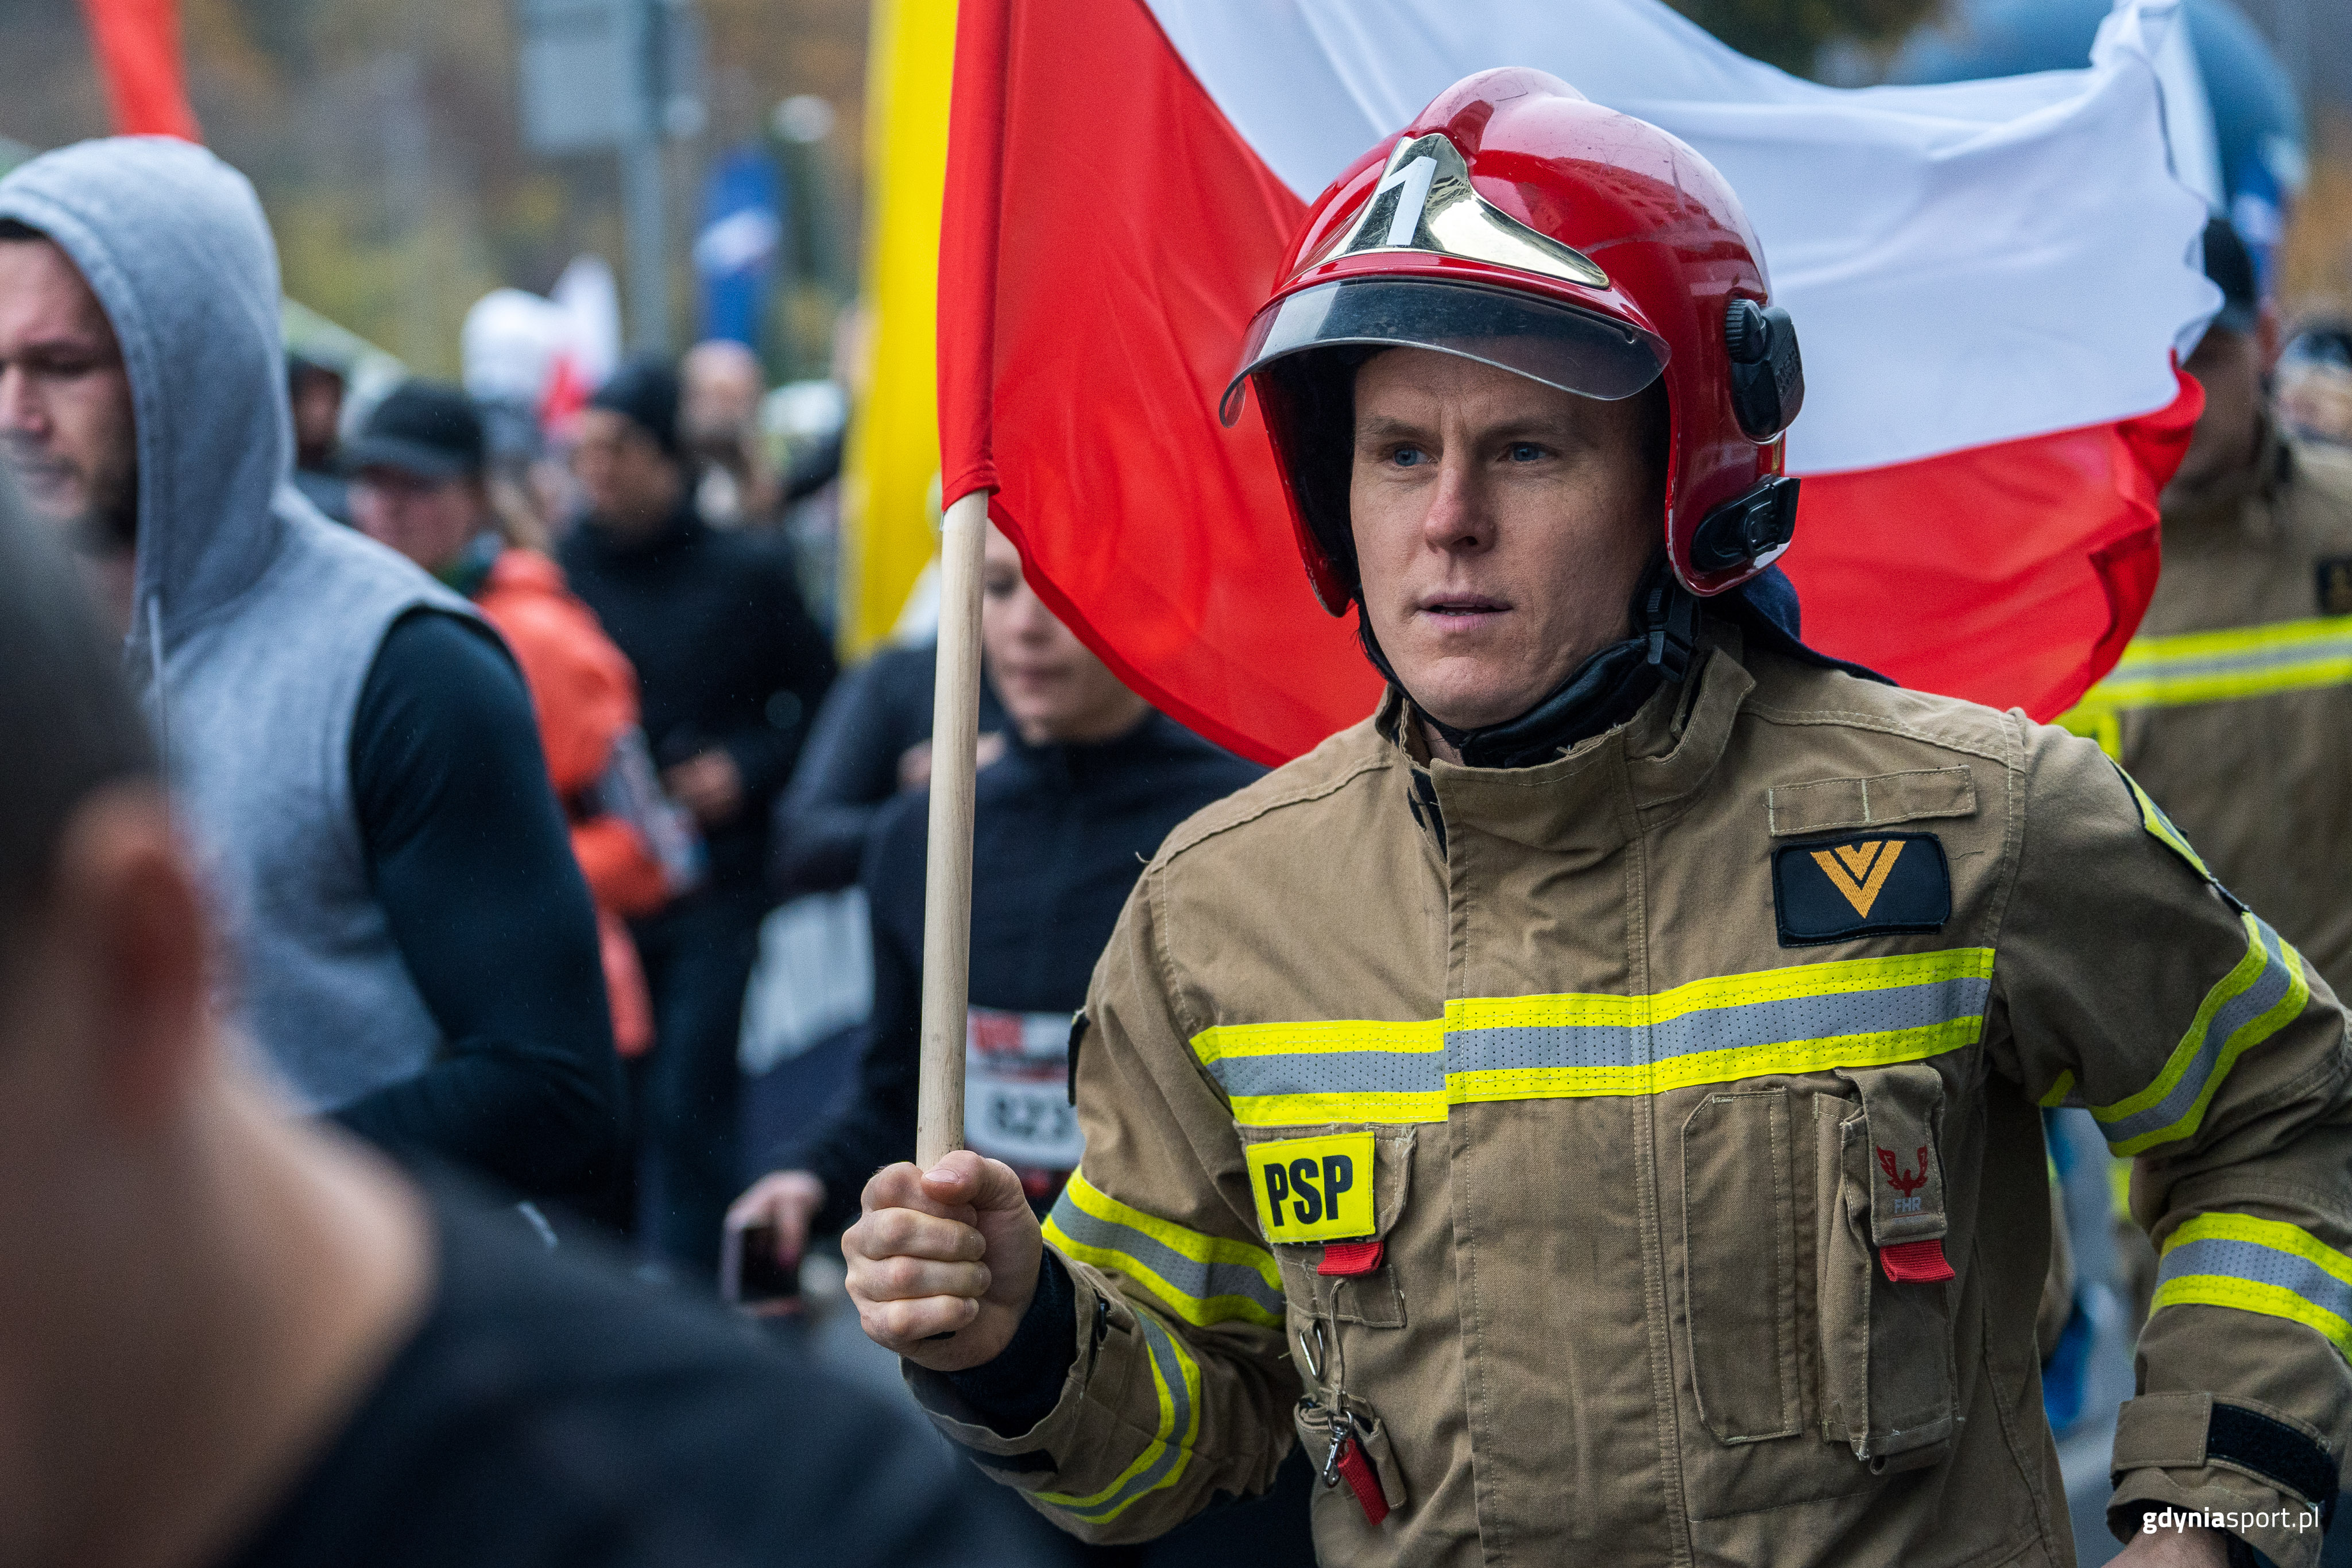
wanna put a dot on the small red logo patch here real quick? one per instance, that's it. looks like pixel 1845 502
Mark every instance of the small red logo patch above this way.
pixel 1906 1183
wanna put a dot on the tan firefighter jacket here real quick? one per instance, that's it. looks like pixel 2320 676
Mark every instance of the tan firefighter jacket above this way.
pixel 2233 707
pixel 1652 1172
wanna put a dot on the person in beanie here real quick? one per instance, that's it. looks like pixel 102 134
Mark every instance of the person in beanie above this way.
pixel 731 668
pixel 419 486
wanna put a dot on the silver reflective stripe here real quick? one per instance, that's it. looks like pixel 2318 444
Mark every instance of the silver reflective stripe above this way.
pixel 1332 1072
pixel 2262 1265
pixel 1191 1275
pixel 2267 990
pixel 1176 1427
pixel 1830 1016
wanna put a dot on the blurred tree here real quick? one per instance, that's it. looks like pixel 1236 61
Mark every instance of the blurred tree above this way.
pixel 1790 33
pixel 2315 266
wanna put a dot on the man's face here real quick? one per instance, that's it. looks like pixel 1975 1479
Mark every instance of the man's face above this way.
pixel 65 400
pixel 429 520
pixel 317 401
pixel 631 485
pixel 721 391
pixel 2230 365
pixel 1053 688
pixel 1500 526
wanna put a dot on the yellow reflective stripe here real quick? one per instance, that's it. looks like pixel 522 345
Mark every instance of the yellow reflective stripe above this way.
pixel 1795 982
pixel 2262 993
pixel 2059 1090
pixel 2227 666
pixel 1871 1050
pixel 1295 1074
pixel 2259 1266
pixel 2152 818
pixel 1902 1008
pixel 1373 1108
pixel 1202 1278
pixel 1227 1040
pixel 1176 1380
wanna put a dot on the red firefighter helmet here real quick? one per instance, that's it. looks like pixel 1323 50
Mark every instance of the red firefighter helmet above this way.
pixel 1519 223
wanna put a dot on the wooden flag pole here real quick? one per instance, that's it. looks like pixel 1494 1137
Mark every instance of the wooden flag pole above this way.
pixel 947 873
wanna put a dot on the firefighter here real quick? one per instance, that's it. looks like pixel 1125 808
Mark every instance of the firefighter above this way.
pixel 1592 1104
pixel 2233 707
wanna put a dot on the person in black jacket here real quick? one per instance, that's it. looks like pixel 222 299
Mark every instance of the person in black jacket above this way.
pixel 236 1337
pixel 1089 782
pixel 731 667
pixel 871 740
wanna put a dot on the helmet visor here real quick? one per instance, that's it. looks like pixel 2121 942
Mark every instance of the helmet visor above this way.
pixel 1576 351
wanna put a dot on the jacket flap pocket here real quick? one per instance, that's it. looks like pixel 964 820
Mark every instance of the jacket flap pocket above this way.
pixel 1827 804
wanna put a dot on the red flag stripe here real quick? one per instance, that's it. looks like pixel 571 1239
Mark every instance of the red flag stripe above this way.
pixel 137 47
pixel 1135 232
pixel 2010 575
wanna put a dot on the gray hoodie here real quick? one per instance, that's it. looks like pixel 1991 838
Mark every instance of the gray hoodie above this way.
pixel 255 619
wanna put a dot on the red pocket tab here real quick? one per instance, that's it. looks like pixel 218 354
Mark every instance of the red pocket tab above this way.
pixel 1909 1262
pixel 1348 1258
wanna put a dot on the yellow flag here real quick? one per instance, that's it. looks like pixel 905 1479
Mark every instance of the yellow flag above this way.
pixel 886 502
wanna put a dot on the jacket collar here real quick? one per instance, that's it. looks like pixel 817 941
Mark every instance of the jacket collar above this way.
pixel 1606 790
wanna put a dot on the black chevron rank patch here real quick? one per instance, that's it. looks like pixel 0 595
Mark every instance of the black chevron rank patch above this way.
pixel 1853 887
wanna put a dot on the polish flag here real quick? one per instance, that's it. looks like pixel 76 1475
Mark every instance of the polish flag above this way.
pixel 1990 280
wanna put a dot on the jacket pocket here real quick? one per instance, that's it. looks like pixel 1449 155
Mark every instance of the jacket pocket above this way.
pixel 1889 1383
pixel 1738 1202
pixel 1312 1419
pixel 1342 1279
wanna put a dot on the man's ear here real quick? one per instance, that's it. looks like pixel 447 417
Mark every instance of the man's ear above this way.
pixel 128 919
pixel 2268 342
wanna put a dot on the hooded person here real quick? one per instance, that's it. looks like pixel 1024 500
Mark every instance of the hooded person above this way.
pixel 412 947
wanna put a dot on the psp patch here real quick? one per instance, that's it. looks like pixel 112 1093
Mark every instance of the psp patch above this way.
pixel 1314 1189
pixel 1856 887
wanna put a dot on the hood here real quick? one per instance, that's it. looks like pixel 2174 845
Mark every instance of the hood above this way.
pixel 173 242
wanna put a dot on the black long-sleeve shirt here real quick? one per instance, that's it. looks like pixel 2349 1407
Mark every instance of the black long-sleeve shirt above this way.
pixel 727 657
pixel 549 1412
pixel 469 854
pixel 849 768
pixel 1060 834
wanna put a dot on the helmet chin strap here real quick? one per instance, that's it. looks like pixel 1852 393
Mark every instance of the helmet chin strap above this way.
pixel 1599 694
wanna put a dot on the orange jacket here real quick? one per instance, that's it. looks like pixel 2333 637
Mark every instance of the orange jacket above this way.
pixel 585 696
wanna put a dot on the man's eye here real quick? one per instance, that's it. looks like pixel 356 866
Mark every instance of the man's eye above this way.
pixel 1526 451
pixel 1409 457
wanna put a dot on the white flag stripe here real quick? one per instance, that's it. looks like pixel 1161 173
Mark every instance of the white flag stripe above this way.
pixel 1968 262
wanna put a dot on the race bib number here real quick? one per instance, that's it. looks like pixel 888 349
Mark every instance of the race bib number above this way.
pixel 1016 1105
pixel 1314 1189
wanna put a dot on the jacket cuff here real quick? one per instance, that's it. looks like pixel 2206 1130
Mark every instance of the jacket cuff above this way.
pixel 2236 1465
pixel 1017 1390
pixel 1025 1457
